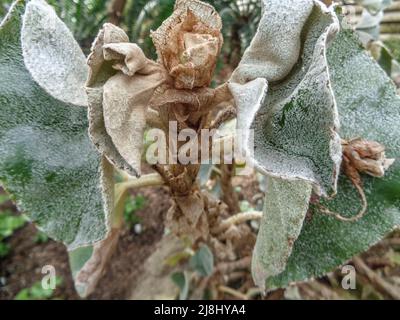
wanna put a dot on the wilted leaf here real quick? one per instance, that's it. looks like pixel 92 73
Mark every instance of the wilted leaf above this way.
pixel 369 108
pixel 118 101
pixel 88 264
pixel 47 161
pixel 295 120
pixel 203 261
pixel 286 204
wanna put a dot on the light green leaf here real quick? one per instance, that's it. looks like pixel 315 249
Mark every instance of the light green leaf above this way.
pixel 47 161
pixel 203 261
pixel 295 119
pixel 51 54
pixel 286 204
pixel 88 263
pixel 182 280
pixel 369 108
pixel 9 223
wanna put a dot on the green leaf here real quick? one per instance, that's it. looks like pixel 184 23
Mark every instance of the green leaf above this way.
pixel 88 263
pixel 282 90
pixel 37 292
pixel 132 205
pixel 203 261
pixel 285 207
pixel 181 279
pixel 47 162
pixel 369 108
pixel 4 249
pixel 9 223
pixel 51 54
pixel 3 198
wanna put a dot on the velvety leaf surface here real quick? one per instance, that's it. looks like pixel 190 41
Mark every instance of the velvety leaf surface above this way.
pixel 285 207
pixel 51 54
pixel 295 126
pixel 369 108
pixel 47 161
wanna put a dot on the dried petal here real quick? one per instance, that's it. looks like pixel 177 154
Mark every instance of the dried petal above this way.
pixel 188 43
pixel 100 70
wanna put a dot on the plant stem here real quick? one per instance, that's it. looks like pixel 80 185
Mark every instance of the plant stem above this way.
pixel 229 195
pixel 237 219
pixel 148 180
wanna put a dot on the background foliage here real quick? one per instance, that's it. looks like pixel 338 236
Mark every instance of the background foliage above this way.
pixel 85 18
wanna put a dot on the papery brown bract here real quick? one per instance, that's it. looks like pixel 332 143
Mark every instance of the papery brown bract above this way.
pixel 188 44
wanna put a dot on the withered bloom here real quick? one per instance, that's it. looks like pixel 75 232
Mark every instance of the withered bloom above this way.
pixel 188 44
pixel 366 157
pixel 127 91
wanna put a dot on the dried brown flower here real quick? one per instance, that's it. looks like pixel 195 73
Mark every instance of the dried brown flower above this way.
pixel 188 44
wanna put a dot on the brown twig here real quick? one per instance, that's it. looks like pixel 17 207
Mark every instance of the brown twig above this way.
pixel 233 292
pixel 229 195
pixel 376 280
pixel 227 267
pixel 355 218
pixel 237 219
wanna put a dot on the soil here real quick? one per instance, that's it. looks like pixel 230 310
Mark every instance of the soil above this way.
pixel 22 267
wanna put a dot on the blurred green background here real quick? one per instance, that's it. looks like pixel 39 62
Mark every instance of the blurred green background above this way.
pixel 139 17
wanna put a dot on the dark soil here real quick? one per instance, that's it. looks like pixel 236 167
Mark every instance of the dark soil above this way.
pixel 22 267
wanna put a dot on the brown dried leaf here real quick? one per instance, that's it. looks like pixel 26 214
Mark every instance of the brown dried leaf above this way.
pixel 125 102
pixel 366 157
pixel 87 278
pixel 121 82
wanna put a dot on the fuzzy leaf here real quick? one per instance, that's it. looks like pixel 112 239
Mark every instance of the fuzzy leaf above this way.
pixel 47 161
pixel 295 120
pixel 374 6
pixel 118 101
pixel 286 204
pixel 51 54
pixel 88 263
pixel 369 108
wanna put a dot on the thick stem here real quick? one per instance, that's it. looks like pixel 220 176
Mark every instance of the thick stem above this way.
pixel 229 195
